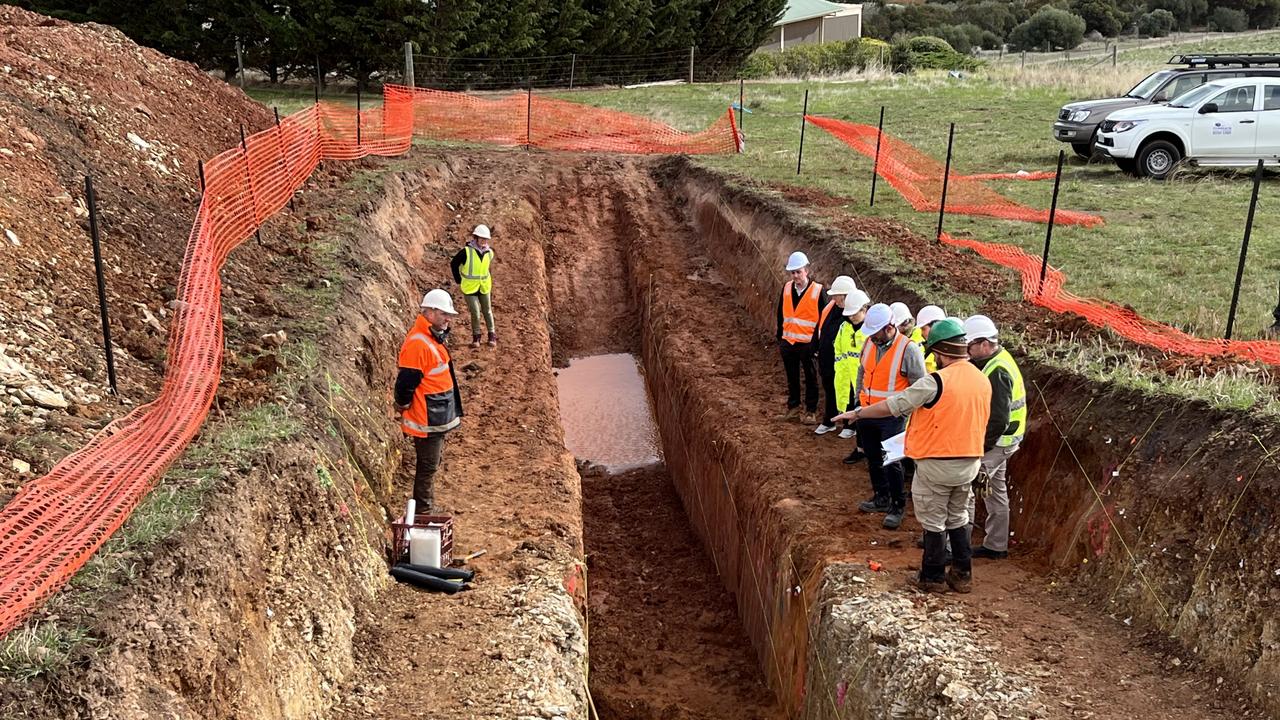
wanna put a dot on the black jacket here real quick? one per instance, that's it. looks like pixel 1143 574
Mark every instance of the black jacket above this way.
pixel 1001 399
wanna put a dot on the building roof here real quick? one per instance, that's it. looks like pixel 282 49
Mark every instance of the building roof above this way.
pixel 799 10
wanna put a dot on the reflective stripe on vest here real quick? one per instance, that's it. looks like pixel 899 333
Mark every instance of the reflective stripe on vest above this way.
pixel 1017 403
pixel 434 407
pixel 956 425
pixel 880 379
pixel 475 272
pixel 799 321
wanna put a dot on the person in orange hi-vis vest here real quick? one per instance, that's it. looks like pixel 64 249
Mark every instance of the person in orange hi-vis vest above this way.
pixel 949 411
pixel 890 362
pixel 427 401
pixel 799 311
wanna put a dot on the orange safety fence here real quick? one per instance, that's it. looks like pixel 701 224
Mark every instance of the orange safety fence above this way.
pixel 55 523
pixel 918 177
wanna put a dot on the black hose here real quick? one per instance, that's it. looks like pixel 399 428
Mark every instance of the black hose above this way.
pixel 446 573
pixel 427 582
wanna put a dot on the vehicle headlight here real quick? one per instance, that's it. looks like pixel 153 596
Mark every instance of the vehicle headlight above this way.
pixel 1079 116
pixel 1126 125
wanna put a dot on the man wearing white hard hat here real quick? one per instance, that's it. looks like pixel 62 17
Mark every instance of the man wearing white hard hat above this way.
pixel 848 358
pixel 829 322
pixel 471 270
pixel 1005 430
pixel 427 400
pixel 799 311
pixel 890 364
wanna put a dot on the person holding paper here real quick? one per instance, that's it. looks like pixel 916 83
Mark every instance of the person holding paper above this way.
pixel 890 362
pixel 949 413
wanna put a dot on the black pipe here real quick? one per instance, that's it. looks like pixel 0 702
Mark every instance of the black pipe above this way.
pixel 1244 251
pixel 875 167
pixel 424 581
pixel 91 199
pixel 446 573
pixel 1053 214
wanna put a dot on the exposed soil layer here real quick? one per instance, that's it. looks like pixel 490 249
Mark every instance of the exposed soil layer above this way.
pixel 666 642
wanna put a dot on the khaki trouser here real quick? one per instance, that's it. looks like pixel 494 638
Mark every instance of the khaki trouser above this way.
pixel 995 464
pixel 942 492
pixel 479 306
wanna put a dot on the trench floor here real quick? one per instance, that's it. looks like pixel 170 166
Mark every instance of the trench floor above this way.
pixel 561 212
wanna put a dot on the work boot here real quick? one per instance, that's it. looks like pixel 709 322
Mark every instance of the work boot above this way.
pixel 877 504
pixel 893 520
pixel 475 340
pixel 791 414
pixel 932 566
pixel 961 582
pixel 986 553
pixel 961 552
pixel 854 457
pixel 493 340
pixel 809 418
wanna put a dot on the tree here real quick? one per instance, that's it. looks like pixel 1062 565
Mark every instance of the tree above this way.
pixel 1103 16
pixel 991 15
pixel 1185 12
pixel 1261 13
pixel 1049 28
pixel 735 28
pixel 1225 19
pixel 1156 23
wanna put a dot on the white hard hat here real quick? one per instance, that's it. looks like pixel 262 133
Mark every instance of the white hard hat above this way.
pixel 979 327
pixel 797 261
pixel 481 231
pixel 439 300
pixel 855 301
pixel 878 318
pixel 842 285
pixel 929 314
pixel 901 313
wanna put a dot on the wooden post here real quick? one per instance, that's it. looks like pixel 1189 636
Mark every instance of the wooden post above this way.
pixel 690 64
pixel 408 64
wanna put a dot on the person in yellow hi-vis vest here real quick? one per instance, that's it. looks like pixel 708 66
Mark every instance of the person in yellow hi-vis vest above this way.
pixel 471 270
pixel 848 361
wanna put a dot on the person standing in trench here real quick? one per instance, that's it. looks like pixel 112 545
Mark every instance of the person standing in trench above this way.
pixel 799 310
pixel 471 271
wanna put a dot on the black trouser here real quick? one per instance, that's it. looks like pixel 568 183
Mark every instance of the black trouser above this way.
pixel 796 358
pixel 827 371
pixel 428 450
pixel 886 480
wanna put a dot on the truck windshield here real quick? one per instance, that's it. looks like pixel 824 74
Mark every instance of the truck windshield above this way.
pixel 1193 97
pixel 1147 88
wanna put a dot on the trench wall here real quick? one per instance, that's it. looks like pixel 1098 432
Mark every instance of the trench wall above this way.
pixel 1156 509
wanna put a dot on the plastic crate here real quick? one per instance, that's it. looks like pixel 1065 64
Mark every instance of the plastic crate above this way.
pixel 400 536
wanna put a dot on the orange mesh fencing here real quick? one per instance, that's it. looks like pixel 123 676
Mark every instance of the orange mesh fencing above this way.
pixel 918 178
pixel 55 523
pixel 553 124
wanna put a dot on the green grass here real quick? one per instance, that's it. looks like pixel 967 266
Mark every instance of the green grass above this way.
pixel 1169 249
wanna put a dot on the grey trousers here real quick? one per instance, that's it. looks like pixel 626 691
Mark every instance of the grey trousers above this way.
pixel 995 464
pixel 480 305
pixel 943 492
pixel 428 451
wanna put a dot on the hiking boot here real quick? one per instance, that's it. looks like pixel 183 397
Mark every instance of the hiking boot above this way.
pixel 854 457
pixel 475 340
pixel 877 504
pixel 823 429
pixel 792 413
pixel 931 586
pixel 847 434
pixel 986 553
pixel 961 582
pixel 893 520
pixel 809 418
pixel 493 340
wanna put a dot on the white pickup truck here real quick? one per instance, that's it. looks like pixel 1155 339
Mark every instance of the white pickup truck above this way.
pixel 1222 123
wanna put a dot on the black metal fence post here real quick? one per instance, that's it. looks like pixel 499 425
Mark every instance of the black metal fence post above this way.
pixel 528 120
pixel 91 199
pixel 248 176
pixel 200 168
pixel 1244 251
pixel 875 165
pixel 319 79
pixel 1053 213
pixel 804 113
pixel 359 83
pixel 946 180
pixel 284 156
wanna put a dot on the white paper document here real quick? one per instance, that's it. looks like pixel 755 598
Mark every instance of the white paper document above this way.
pixel 894 447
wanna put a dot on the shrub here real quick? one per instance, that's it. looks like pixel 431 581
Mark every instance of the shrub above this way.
pixel 759 64
pixel 1228 20
pixel 928 53
pixel 805 60
pixel 1049 27
pixel 1157 23
pixel 1101 16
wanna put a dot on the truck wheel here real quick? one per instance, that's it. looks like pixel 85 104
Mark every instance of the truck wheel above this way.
pixel 1084 150
pixel 1129 166
pixel 1157 159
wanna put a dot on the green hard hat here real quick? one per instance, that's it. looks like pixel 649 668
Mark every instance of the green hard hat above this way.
pixel 942 330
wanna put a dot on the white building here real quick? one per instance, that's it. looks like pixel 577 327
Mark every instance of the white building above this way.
pixel 815 21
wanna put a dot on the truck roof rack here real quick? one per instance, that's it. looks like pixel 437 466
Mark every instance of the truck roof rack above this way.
pixel 1216 59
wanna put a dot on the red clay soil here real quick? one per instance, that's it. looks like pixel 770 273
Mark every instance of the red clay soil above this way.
pixel 666 643
pixel 83 99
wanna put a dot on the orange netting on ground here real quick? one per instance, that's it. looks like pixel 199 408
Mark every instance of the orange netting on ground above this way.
pixel 55 523
pixel 553 124
pixel 918 178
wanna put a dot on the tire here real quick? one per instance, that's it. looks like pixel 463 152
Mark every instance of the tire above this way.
pixel 1084 150
pixel 1157 159
pixel 1129 166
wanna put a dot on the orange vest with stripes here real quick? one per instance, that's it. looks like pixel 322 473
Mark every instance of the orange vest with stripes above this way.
pixel 882 374
pixel 434 408
pixel 800 321
pixel 955 424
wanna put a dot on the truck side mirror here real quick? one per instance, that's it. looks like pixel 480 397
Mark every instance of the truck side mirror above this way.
pixel 1160 97
pixel 1207 108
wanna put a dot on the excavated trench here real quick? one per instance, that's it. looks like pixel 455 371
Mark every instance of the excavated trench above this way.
pixel 729 579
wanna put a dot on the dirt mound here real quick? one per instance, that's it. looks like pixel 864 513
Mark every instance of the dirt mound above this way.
pixel 77 100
